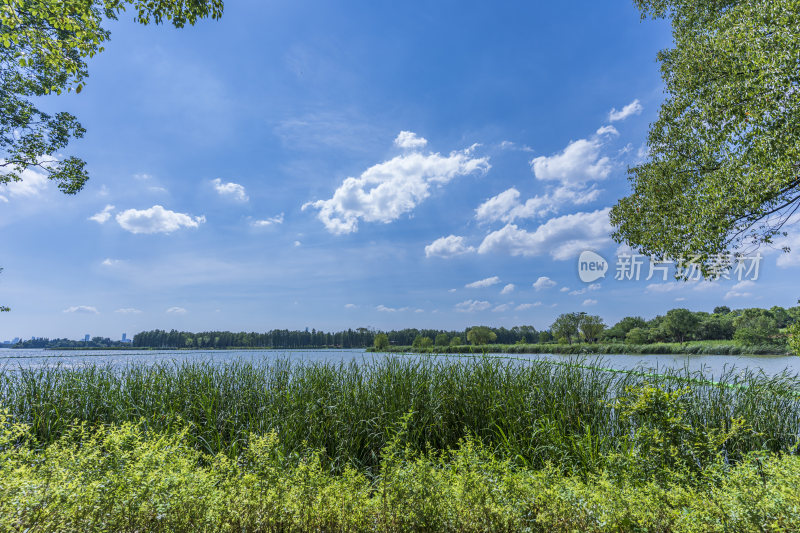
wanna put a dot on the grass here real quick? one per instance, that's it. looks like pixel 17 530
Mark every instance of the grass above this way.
pixel 688 348
pixel 533 413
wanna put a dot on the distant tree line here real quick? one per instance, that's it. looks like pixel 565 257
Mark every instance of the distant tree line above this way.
pixel 289 339
pixel 95 342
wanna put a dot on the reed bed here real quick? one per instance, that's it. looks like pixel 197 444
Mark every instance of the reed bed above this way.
pixel 533 413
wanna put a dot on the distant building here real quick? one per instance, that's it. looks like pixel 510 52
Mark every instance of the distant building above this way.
pixel 86 338
pixel 124 337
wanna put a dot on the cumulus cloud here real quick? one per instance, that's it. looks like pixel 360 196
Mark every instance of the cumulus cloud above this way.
pixel 502 308
pixel 350 306
pixel 506 206
pixel 561 237
pixel 230 190
pixel 385 191
pixel 508 289
pixel 449 246
pixel 103 216
pixel 156 220
pixel 84 309
pixel 471 306
pixel 31 184
pixel 592 287
pixel 482 283
pixel 409 139
pixel 524 307
pixel 634 108
pixel 271 221
pixel 128 311
pixel 383 309
pixel 177 310
pixel 578 163
pixel 544 283
pixel 589 301
pixel 110 262
pixel 740 290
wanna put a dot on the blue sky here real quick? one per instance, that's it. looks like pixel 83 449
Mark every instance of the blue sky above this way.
pixel 323 165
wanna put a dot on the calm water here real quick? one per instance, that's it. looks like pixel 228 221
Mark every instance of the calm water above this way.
pixel 711 365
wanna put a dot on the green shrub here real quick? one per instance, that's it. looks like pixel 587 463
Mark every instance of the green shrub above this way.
pixel 128 478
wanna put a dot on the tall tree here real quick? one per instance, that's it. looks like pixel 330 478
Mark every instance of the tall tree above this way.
pixel 680 324
pixel 481 335
pixel 591 327
pixel 566 327
pixel 723 169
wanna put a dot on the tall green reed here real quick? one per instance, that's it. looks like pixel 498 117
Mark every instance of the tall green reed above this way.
pixel 532 412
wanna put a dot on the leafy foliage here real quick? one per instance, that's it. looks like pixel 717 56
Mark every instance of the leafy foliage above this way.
pixel 722 170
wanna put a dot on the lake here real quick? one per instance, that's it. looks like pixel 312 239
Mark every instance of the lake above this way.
pixel 710 365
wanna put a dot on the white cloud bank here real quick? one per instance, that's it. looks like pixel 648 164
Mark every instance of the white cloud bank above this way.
pixel 271 221
pixel 471 306
pixel 385 191
pixel 562 237
pixel 578 163
pixel 409 139
pixel 230 190
pixel 156 220
pixel 544 283
pixel 449 246
pixel 103 216
pixel 31 184
pixel 506 206
pixel 483 283
pixel 84 309
pixel 634 108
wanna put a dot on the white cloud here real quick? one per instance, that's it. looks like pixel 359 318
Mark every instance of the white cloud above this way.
pixel 607 130
pixel 409 139
pixel 32 184
pixel 350 306
pixel 470 306
pixel 177 310
pixel 103 216
pixel 230 189
pixel 634 108
pixel 578 163
pixel 544 283
pixel 451 290
pixel 502 308
pixel 564 289
pixel 128 311
pixel 156 220
pixel 143 176
pixel 384 309
pixel 482 283
pixel 390 189
pixel 524 307
pixel 592 287
pixel 680 299
pixel 297 244
pixel 506 207
pixel 449 246
pixel 740 290
pixel 589 301
pixel 666 287
pixel 508 289
pixel 271 221
pixel 562 237
pixel 419 310
pixel 85 309
pixel 110 262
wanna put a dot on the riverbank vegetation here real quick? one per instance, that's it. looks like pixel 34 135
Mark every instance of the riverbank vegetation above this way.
pixel 396 444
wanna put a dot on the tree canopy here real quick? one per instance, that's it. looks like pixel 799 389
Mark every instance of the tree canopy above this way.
pixel 723 170
pixel 44 45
